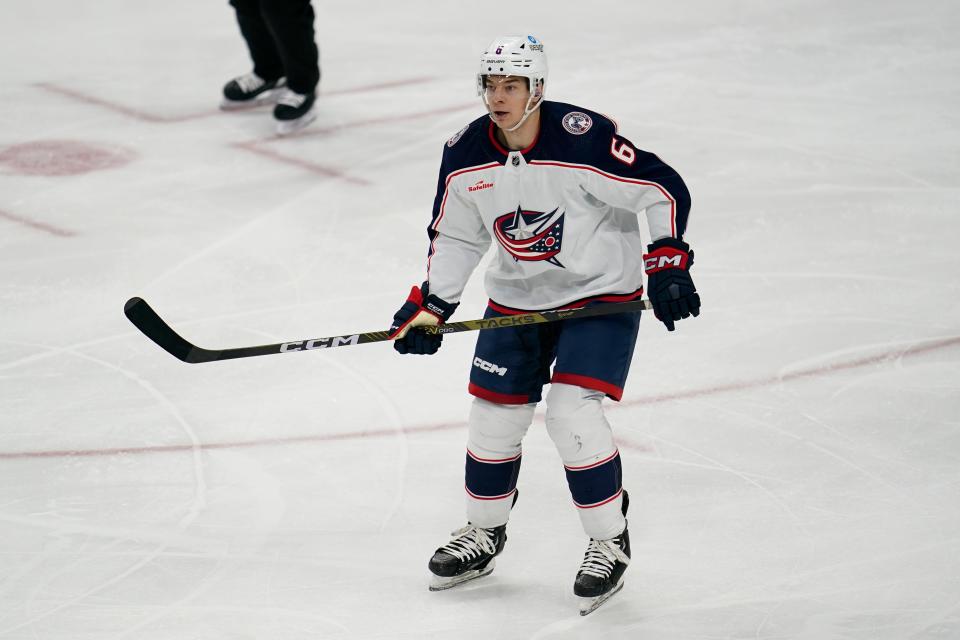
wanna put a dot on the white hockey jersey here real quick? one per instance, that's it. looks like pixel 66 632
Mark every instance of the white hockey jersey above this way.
pixel 562 214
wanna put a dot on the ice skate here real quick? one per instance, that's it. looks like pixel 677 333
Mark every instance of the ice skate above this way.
pixel 250 90
pixel 468 556
pixel 601 572
pixel 294 111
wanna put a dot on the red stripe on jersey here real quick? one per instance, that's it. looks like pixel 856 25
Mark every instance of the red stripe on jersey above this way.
pixel 585 167
pixel 614 297
pixel 491 132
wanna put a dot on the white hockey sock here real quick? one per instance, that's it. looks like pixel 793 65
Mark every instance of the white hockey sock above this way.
pixel 584 439
pixel 493 459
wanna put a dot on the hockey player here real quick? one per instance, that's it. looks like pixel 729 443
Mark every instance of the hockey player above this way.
pixel 557 191
pixel 286 62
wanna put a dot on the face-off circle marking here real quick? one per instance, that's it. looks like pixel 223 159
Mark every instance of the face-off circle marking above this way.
pixel 62 157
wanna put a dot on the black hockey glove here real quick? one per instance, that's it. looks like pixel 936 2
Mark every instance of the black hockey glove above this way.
pixel 669 285
pixel 420 309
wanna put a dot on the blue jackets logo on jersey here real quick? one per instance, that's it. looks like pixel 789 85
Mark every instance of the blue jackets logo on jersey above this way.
pixel 531 235
pixel 577 123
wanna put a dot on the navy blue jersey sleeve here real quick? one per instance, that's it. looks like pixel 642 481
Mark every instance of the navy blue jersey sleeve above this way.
pixel 620 157
pixel 626 177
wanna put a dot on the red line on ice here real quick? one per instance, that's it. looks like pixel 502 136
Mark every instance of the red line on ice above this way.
pixel 319 131
pixel 377 87
pixel 382 433
pixel 238 444
pixel 323 131
pixel 146 116
pixel 259 146
pixel 100 102
pixel 313 167
pixel 40 226
pixel 794 375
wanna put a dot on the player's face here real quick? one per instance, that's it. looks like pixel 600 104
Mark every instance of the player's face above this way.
pixel 507 98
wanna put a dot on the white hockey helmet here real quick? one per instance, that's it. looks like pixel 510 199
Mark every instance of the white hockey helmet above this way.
pixel 516 56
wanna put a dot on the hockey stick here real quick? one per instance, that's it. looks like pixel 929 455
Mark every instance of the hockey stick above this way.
pixel 153 326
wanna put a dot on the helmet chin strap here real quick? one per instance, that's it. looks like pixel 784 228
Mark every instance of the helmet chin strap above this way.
pixel 526 112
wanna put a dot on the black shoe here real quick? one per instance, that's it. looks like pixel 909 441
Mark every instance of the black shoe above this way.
pixel 471 549
pixel 469 555
pixel 604 563
pixel 294 111
pixel 250 90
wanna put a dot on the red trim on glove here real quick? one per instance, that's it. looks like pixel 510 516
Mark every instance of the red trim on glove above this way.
pixel 416 296
pixel 665 258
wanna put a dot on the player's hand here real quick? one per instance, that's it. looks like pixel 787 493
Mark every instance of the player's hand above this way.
pixel 669 284
pixel 420 309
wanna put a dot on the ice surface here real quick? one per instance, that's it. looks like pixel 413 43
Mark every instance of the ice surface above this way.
pixel 793 454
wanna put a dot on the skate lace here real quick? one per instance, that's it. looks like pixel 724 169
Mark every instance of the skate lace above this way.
pixel 291 98
pixel 469 542
pixel 250 82
pixel 601 557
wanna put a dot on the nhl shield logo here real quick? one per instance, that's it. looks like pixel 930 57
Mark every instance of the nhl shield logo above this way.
pixel 577 123
pixel 531 236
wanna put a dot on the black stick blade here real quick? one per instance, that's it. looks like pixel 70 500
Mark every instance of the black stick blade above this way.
pixel 152 325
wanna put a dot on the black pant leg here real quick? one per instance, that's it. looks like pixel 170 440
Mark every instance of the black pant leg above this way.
pixel 267 62
pixel 291 23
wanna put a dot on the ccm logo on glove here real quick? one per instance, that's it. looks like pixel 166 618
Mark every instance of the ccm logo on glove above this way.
pixel 669 285
pixel 665 258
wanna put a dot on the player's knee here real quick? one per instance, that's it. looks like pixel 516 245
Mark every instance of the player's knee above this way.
pixel 576 423
pixel 568 404
pixel 498 428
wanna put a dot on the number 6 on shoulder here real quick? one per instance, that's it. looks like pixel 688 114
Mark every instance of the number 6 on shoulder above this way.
pixel 624 153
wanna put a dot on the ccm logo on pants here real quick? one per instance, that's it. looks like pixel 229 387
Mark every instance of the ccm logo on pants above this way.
pixel 489 366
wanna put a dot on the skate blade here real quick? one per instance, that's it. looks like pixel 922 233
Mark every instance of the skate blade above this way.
pixel 264 99
pixel 286 127
pixel 441 584
pixel 589 605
